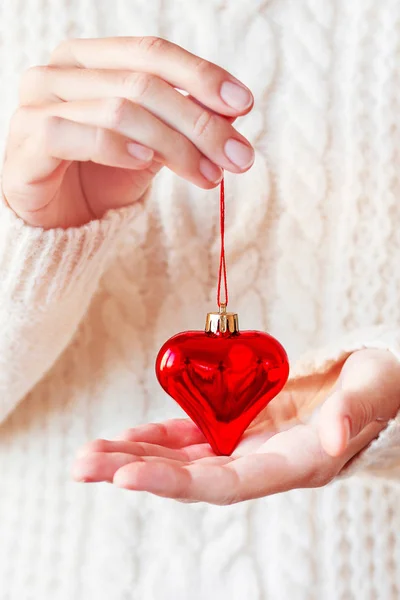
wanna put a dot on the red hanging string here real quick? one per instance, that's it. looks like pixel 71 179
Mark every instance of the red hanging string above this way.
pixel 222 262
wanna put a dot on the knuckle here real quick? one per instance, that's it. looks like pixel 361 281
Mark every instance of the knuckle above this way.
pixel 231 493
pixel 63 45
pixel 116 109
pixel 182 148
pixel 320 472
pixel 128 434
pixel 154 428
pixel 151 44
pixel 32 74
pixel 19 119
pixel 203 123
pixel 365 415
pixel 227 500
pixel 33 79
pixel 318 477
pixel 202 67
pixel 98 445
pixel 60 50
pixel 101 144
pixel 49 132
pixel 136 85
pixel 160 429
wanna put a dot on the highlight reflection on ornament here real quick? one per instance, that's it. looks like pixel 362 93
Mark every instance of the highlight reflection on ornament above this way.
pixel 221 377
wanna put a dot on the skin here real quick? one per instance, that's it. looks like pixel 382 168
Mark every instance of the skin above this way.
pixel 69 152
pixel 93 128
pixel 303 439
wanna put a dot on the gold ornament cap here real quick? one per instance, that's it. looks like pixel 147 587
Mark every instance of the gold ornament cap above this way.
pixel 222 321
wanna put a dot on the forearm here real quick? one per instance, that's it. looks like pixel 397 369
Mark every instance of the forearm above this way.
pixel 47 280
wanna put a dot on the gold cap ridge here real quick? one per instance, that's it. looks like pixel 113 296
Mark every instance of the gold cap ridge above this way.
pixel 222 321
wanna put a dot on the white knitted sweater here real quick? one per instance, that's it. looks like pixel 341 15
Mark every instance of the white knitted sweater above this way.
pixel 313 243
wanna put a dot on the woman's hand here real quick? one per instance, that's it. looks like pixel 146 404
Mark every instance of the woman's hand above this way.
pixel 96 124
pixel 303 439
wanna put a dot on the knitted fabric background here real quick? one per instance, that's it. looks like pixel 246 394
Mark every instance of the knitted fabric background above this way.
pixel 313 248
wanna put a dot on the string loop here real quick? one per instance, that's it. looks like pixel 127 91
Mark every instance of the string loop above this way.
pixel 222 262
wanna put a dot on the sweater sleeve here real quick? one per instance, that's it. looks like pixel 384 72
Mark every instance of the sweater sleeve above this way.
pixel 47 280
pixel 382 456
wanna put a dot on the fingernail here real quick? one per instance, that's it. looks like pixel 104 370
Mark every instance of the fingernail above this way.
pixel 210 171
pixel 140 152
pixel 241 155
pixel 235 95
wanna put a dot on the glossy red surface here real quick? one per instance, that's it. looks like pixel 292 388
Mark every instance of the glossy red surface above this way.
pixel 222 381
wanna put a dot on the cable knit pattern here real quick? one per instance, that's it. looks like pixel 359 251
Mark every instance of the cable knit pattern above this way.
pixel 313 248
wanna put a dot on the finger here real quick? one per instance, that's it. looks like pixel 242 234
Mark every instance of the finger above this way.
pixel 182 153
pixel 175 150
pixel 367 391
pixel 49 83
pixel 175 433
pixel 134 448
pixel 280 467
pixel 33 172
pixel 193 482
pixel 229 119
pixel 63 139
pixel 146 449
pixel 212 134
pixel 234 480
pixel 99 466
pixel 210 84
pixel 132 121
pixel 102 466
pixel 292 459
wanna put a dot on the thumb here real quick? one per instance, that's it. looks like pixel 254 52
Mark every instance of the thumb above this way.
pixel 367 390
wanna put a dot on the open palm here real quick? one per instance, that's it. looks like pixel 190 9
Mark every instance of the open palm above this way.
pixel 302 439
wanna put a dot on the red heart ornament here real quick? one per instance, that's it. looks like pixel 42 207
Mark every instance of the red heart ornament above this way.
pixel 223 378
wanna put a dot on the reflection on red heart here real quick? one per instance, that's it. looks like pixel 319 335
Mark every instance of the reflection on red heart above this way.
pixel 222 380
